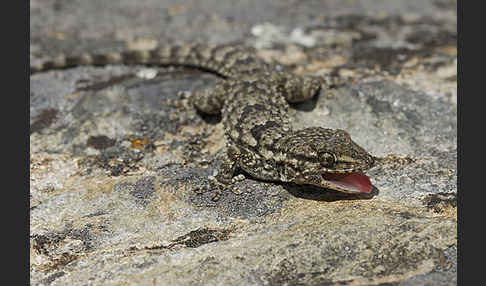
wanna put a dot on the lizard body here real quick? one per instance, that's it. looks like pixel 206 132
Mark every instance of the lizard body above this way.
pixel 253 100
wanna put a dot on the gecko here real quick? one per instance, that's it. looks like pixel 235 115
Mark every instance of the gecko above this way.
pixel 253 99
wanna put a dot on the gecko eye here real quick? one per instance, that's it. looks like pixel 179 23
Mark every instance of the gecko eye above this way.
pixel 327 159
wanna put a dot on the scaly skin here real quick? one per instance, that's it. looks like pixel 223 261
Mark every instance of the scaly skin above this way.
pixel 253 100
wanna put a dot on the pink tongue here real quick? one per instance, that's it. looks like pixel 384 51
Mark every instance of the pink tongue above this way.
pixel 356 182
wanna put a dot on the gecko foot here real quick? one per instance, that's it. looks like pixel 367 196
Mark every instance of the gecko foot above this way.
pixel 212 186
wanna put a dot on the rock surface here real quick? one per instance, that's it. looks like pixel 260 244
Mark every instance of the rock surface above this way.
pixel 117 156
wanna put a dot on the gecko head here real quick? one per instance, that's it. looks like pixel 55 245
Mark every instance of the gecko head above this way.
pixel 326 158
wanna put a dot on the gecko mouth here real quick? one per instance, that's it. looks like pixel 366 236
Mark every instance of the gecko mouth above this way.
pixel 355 182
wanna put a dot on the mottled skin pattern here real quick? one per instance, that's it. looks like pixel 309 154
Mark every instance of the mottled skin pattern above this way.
pixel 253 100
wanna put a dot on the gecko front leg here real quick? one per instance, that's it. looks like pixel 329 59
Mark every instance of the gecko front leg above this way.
pixel 226 171
pixel 225 177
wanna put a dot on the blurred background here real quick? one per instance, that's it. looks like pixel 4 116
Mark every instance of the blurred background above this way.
pixel 373 32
